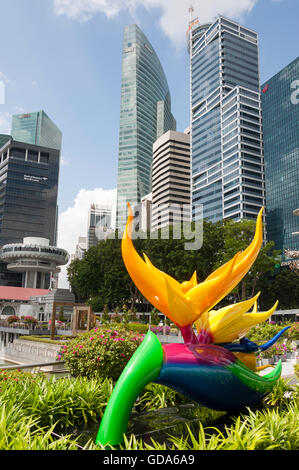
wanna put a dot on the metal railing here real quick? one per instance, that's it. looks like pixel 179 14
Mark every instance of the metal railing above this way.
pixel 37 367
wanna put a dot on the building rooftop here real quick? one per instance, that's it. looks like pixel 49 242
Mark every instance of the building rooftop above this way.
pixel 20 293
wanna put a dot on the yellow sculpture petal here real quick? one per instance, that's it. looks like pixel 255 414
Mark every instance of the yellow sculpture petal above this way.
pixel 187 285
pixel 251 319
pixel 207 294
pixel 229 331
pixel 223 322
pixel 149 281
pixel 181 311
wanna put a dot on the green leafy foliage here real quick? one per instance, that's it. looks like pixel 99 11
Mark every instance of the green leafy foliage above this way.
pixel 102 352
pixel 45 406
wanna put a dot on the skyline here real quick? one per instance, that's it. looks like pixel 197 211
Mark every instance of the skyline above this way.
pixel 81 48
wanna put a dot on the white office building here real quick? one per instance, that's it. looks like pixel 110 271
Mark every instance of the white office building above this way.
pixel 171 179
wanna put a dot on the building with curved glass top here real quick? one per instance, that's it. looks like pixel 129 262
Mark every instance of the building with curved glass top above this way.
pixel 226 121
pixel 145 114
pixel 280 102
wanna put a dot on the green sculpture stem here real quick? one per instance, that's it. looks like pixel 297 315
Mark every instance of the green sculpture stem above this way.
pixel 143 368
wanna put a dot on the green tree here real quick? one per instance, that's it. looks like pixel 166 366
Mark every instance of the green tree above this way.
pixel 237 237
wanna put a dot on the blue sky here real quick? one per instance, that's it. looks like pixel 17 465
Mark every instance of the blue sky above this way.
pixel 64 56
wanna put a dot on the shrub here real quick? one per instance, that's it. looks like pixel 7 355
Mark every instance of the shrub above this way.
pixel 12 319
pixel 293 332
pixel 155 319
pixel 8 377
pixel 100 352
pixel 116 318
pixel 264 332
pixel 138 327
pixel 29 319
pixel 296 370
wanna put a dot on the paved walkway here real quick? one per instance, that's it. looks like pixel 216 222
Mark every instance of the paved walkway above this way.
pixel 287 371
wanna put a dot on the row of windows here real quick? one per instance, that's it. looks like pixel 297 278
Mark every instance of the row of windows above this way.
pixel 32 155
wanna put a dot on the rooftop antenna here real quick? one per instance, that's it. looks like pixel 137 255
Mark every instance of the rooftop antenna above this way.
pixel 191 11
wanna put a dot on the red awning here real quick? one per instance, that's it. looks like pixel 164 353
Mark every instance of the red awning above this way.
pixel 20 293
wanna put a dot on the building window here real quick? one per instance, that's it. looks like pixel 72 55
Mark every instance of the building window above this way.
pixel 32 156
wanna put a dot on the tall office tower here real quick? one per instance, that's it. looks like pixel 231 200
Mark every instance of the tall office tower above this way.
pixel 171 179
pixel 145 114
pixel 99 222
pixel 226 121
pixel 37 129
pixel 280 104
pixel 28 195
pixel 146 212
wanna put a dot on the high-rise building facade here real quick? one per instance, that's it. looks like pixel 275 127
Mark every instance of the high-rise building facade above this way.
pixel 226 121
pixel 28 195
pixel 37 129
pixel 171 179
pixel 4 138
pixel 145 114
pixel 280 104
pixel 99 222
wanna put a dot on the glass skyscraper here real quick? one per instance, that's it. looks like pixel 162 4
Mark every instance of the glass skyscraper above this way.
pixel 37 129
pixel 280 104
pixel 145 114
pixel 4 138
pixel 28 197
pixel 226 121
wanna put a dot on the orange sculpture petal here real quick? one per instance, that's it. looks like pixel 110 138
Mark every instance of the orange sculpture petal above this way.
pixel 245 260
pixel 207 294
pixel 187 285
pixel 149 280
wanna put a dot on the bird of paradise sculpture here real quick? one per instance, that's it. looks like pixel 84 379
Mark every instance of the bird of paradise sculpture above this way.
pixel 216 366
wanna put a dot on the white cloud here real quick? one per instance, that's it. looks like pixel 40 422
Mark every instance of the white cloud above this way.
pixel 174 16
pixel 73 222
pixel 64 161
pixel 5 122
pixel 4 78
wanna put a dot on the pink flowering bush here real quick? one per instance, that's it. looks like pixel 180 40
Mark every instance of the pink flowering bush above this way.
pixel 12 319
pixel 29 319
pixel 293 332
pixel 102 352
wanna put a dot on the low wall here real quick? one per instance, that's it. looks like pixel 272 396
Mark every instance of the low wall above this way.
pixel 25 352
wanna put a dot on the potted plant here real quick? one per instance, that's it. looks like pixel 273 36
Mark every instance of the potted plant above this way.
pixel 267 357
pixel 280 351
pixel 30 321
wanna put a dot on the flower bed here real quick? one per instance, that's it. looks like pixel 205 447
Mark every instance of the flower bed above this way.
pixel 102 352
